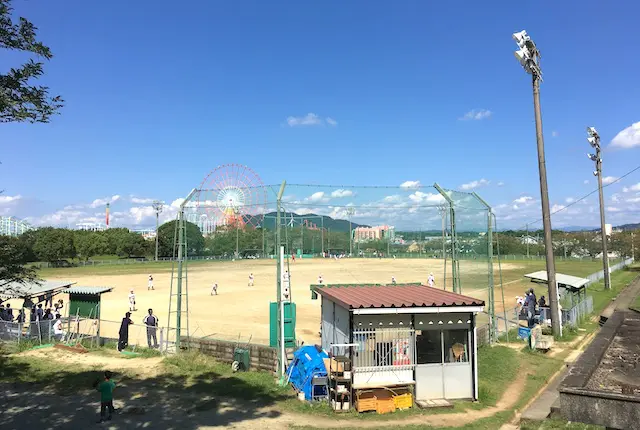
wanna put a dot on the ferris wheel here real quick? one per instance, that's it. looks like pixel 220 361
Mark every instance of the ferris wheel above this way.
pixel 233 194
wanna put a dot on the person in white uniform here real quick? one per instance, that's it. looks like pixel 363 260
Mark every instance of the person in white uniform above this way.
pixel 251 279
pixel 431 281
pixel 132 301
pixel 150 283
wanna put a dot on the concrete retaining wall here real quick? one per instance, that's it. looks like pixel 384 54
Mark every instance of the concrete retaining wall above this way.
pixel 261 357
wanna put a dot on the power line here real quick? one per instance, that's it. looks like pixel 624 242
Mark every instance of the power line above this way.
pixel 585 196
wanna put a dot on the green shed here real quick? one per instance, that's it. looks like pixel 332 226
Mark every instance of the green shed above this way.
pixel 85 302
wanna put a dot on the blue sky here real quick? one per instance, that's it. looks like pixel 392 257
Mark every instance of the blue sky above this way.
pixel 158 94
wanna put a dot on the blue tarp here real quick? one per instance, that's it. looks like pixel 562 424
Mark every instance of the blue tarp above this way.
pixel 307 363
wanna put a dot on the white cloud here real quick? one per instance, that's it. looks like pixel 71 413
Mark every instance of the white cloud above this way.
pixel 556 208
pixel 609 180
pixel 102 202
pixel 316 197
pixel 500 184
pixel 569 200
pixel 474 184
pixel 420 197
pixel 613 209
pixel 392 199
pixel 341 193
pixel 627 138
pixel 9 199
pixel 141 201
pixel 633 200
pixel 554 134
pixel 477 114
pixel 310 119
pixel 586 181
pixel 634 188
pixel 523 200
pixel 410 184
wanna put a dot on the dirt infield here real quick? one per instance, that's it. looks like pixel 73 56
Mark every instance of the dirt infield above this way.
pixel 240 310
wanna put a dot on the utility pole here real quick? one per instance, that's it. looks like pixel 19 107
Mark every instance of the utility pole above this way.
pixel 157 207
pixel 594 140
pixel 633 249
pixel 529 57
pixel 350 212
pixel 527 240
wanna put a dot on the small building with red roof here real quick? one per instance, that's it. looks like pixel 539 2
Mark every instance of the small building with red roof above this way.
pixel 404 335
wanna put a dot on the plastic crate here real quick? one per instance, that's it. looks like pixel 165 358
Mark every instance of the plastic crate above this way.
pixel 403 401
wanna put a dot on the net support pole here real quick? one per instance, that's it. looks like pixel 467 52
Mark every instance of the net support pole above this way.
pixel 181 256
pixel 492 303
pixel 454 257
pixel 279 257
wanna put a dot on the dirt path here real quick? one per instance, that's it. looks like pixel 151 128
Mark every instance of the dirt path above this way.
pixel 285 420
pixel 148 367
pixel 229 413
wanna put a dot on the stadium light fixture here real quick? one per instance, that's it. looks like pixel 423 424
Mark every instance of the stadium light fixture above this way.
pixel 594 141
pixel 529 58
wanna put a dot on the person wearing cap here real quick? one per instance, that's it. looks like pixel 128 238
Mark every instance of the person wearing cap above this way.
pixel 431 281
pixel 150 283
pixel 123 334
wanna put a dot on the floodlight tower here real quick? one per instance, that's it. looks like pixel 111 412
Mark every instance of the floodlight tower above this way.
pixel 350 212
pixel 157 207
pixel 529 57
pixel 594 141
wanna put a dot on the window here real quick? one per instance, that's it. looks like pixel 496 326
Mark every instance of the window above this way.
pixel 429 347
pixel 456 346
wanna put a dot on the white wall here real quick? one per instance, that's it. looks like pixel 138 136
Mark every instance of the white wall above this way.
pixel 334 325
pixel 382 377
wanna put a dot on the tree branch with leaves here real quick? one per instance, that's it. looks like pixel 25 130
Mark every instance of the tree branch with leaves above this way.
pixel 19 100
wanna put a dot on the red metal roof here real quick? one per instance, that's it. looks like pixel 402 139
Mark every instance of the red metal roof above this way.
pixel 393 296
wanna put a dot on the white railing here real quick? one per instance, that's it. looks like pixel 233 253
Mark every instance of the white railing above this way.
pixel 384 349
pixel 595 277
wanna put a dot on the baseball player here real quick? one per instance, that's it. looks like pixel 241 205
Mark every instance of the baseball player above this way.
pixel 320 280
pixel 132 301
pixel 431 281
pixel 150 283
pixel 251 279
pixel 214 289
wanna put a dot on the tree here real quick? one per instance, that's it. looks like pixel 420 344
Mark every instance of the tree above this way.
pixel 20 101
pixel 54 244
pixel 166 237
pixel 13 256
pixel 90 243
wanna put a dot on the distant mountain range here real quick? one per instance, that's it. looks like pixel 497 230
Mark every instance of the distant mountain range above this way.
pixel 269 221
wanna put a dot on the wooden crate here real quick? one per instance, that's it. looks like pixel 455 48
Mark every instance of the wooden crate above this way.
pixel 366 402
pixel 385 403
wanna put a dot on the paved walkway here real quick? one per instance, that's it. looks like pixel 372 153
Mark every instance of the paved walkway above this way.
pixel 540 409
